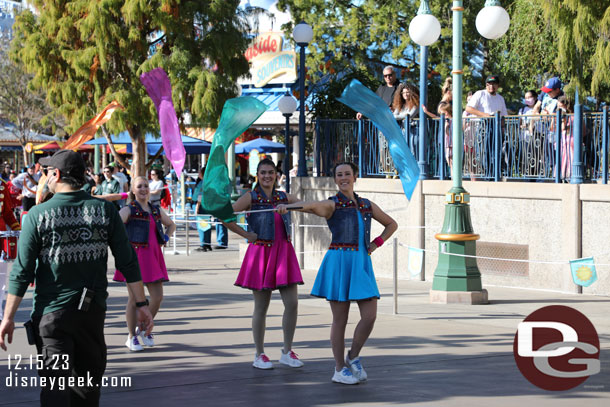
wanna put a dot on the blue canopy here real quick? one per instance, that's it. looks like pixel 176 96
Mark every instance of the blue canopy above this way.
pixel 260 144
pixel 123 138
pixel 199 147
pixel 153 144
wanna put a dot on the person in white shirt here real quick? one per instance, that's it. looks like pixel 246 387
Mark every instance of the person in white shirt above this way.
pixel 484 104
pixel 28 183
pixel 156 185
pixel 487 102
pixel 123 181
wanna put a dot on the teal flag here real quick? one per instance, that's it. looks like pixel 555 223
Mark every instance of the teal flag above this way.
pixel 237 115
pixel 363 100
pixel 583 271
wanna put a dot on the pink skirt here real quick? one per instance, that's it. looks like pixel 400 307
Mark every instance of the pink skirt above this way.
pixel 152 263
pixel 270 267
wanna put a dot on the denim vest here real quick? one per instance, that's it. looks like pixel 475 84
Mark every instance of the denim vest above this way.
pixel 263 223
pixel 344 222
pixel 138 225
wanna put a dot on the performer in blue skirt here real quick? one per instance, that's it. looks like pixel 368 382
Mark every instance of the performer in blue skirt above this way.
pixel 346 273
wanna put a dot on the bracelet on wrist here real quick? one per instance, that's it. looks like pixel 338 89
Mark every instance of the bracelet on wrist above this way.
pixel 142 304
pixel 124 195
pixel 378 241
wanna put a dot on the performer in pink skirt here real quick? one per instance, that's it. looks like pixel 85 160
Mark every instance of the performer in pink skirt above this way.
pixel 270 262
pixel 144 223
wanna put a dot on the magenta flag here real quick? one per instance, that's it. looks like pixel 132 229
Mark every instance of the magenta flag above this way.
pixel 159 89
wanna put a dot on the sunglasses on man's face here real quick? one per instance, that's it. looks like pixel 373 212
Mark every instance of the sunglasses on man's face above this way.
pixel 389 75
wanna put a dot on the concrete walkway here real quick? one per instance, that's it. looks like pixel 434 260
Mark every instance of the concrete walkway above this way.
pixel 427 355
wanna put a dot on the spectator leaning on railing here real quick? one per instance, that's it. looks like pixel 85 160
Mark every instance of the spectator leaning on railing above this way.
pixel 552 90
pixel 487 102
pixel 386 91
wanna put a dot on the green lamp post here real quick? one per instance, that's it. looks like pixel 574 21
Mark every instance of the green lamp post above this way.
pixel 457 278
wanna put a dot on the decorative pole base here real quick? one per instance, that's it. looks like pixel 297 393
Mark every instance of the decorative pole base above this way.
pixel 457 279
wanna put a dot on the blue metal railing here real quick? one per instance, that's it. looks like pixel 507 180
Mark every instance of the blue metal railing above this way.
pixel 539 147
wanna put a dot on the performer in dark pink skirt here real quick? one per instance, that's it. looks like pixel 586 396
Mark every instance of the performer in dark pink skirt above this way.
pixel 270 262
pixel 144 223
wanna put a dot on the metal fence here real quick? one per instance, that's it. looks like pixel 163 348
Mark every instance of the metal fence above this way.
pixel 527 147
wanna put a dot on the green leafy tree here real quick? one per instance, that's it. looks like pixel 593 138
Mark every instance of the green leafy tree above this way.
pixel 24 107
pixel 525 56
pixel 358 38
pixel 86 54
pixel 583 44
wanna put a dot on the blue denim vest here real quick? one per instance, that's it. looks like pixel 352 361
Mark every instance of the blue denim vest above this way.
pixel 344 222
pixel 138 225
pixel 262 223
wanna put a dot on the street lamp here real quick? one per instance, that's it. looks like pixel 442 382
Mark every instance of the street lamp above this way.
pixel 287 105
pixel 457 278
pixel 302 34
pixel 424 30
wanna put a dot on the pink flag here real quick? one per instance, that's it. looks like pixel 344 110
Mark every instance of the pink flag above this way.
pixel 159 89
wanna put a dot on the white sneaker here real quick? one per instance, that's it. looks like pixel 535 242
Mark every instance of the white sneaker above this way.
pixel 133 344
pixel 147 340
pixel 356 368
pixel 345 376
pixel 262 362
pixel 290 359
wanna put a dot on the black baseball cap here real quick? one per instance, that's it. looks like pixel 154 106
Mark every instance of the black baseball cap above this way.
pixel 493 79
pixel 66 161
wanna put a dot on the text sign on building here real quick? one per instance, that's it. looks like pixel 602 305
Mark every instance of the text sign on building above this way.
pixel 270 63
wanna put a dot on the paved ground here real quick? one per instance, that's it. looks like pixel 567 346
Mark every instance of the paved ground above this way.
pixel 427 355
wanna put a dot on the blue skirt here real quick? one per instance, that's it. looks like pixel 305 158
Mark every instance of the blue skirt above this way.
pixel 347 275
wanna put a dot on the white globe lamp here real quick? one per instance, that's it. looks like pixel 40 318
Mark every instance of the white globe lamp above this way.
pixel 424 29
pixel 302 33
pixel 287 105
pixel 492 22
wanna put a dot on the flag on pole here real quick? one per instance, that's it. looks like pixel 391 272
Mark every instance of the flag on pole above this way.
pixel 363 100
pixel 87 131
pixel 416 260
pixel 159 89
pixel 237 115
pixel 583 271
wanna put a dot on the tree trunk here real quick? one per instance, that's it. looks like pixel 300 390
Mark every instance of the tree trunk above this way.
pixel 25 157
pixel 138 163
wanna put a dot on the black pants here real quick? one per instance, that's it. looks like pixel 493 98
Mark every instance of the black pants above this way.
pixel 71 343
pixel 27 203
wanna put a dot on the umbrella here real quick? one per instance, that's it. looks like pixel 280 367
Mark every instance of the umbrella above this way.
pixel 260 144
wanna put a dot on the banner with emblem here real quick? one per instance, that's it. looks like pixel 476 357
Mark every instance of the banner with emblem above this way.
pixel 416 261
pixel 583 271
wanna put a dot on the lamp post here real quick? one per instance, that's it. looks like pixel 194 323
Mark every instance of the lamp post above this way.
pixel 302 35
pixel 287 105
pixel 424 30
pixel 457 278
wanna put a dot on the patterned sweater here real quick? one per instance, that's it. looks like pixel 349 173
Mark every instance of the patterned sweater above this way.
pixel 63 247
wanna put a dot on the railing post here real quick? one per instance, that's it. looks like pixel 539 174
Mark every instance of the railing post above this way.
pixel 605 145
pixel 395 274
pixel 316 157
pixel 188 227
pixel 361 149
pixel 497 147
pixel 441 134
pixel 558 146
pixel 577 164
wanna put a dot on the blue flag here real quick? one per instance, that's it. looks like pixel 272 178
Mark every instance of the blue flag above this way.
pixel 363 100
pixel 583 271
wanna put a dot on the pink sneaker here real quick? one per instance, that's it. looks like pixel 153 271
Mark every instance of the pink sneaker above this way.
pixel 290 359
pixel 262 362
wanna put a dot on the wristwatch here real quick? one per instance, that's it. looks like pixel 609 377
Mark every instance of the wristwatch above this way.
pixel 141 304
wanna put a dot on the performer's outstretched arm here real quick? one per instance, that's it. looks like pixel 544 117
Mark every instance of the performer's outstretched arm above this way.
pixel 324 209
